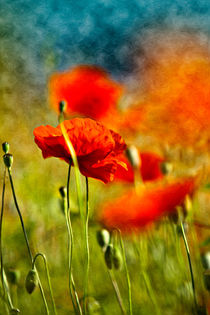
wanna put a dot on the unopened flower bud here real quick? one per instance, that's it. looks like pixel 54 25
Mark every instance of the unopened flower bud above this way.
pixel 166 168
pixel 31 281
pixel 62 106
pixel 8 160
pixel 14 311
pixel 133 156
pixel 63 191
pixel 205 259
pixel 117 258
pixel 108 256
pixel 103 237
pixel 187 206
pixel 207 280
pixel 13 276
pixel 5 147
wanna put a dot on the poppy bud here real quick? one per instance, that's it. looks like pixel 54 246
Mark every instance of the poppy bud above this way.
pixel 14 311
pixel 13 276
pixel 103 237
pixel 8 160
pixel 207 280
pixel 133 156
pixel 108 256
pixel 31 281
pixel 205 259
pixel 117 258
pixel 5 147
pixel 187 206
pixel 166 168
pixel 63 191
pixel 174 216
pixel 62 106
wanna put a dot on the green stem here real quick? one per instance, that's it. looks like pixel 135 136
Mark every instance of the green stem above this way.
pixel 48 277
pixel 190 263
pixel 86 244
pixel 70 248
pixel 127 274
pixel 1 221
pixel 26 238
pixel 117 291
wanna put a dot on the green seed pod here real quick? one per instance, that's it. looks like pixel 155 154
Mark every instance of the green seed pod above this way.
pixel 207 280
pixel 108 256
pixel 8 160
pixel 133 156
pixel 5 147
pixel 103 237
pixel 13 276
pixel 31 281
pixel 62 106
pixel 205 259
pixel 117 258
pixel 63 191
pixel 187 206
pixel 14 311
pixel 166 168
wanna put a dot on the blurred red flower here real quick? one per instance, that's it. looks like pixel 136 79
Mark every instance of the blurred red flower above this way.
pixel 149 169
pixel 133 211
pixel 97 148
pixel 87 90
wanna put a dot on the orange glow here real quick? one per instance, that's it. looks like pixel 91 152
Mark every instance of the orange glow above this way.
pixel 176 89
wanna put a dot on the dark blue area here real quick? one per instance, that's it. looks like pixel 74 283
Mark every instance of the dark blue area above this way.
pixel 49 35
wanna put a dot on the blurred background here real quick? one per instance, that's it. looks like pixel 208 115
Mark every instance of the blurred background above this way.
pixel 131 40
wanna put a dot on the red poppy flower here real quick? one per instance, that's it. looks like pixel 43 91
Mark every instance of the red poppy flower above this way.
pixel 87 90
pixel 97 148
pixel 149 169
pixel 133 211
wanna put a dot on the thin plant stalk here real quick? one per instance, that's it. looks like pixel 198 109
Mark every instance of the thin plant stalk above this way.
pixel 87 244
pixel 190 263
pixel 117 291
pixel 70 246
pixel 1 221
pixel 3 275
pixel 127 275
pixel 26 238
pixel 48 277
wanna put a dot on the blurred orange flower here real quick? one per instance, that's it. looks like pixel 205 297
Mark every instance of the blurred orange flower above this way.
pixel 174 88
pixel 87 90
pixel 97 148
pixel 133 211
pixel 149 168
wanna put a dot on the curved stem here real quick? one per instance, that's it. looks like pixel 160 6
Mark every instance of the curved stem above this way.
pixel 190 263
pixel 48 277
pixel 70 247
pixel 127 274
pixel 86 244
pixel 26 238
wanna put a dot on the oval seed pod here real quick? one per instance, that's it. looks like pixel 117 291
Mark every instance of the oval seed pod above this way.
pixel 166 168
pixel 5 147
pixel 8 160
pixel 31 281
pixel 108 256
pixel 103 237
pixel 117 258
pixel 133 156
